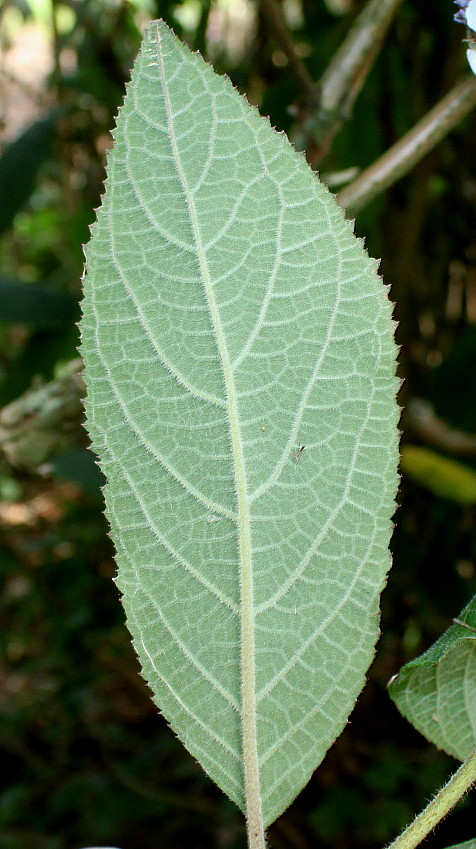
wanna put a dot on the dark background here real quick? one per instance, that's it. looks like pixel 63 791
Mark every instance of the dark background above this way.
pixel 86 759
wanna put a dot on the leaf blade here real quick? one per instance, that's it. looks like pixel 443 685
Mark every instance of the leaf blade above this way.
pixel 213 494
pixel 20 162
pixel 38 304
pixel 436 692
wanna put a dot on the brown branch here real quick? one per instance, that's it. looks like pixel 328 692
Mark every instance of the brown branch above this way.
pixel 44 420
pixel 334 96
pixel 276 22
pixel 403 155
pixel 420 418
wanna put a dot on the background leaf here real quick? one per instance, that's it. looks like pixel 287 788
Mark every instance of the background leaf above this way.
pixel 436 692
pixel 36 304
pixel 230 317
pixel 442 476
pixel 78 465
pixel 20 162
pixel 468 844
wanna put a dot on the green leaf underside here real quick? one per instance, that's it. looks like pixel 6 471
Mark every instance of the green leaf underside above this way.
pixel 468 844
pixel 230 317
pixel 436 692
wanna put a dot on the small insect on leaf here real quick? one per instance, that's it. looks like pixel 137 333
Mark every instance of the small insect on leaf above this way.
pixel 299 453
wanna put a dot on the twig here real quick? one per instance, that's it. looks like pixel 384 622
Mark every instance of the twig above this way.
pixel 403 155
pixel 336 92
pixel 274 17
pixel 420 417
pixel 44 420
pixel 444 801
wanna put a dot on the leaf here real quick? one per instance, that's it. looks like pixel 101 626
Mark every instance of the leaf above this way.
pixel 436 692
pixel 240 365
pixel 78 465
pixel 468 844
pixel 36 304
pixel 20 163
pixel 442 476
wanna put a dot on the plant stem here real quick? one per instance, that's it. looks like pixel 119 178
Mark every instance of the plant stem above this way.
pixel 403 155
pixel 442 804
pixel 421 419
pixel 274 17
pixel 333 97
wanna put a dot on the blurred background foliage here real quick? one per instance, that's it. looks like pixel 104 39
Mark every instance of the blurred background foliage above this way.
pixel 86 758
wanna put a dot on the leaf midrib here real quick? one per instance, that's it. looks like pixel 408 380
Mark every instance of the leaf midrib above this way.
pixel 248 678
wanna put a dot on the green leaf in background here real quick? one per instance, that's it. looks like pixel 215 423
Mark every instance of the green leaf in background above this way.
pixel 35 303
pixel 78 466
pixel 468 844
pixel 240 366
pixel 436 692
pixel 19 165
pixel 442 476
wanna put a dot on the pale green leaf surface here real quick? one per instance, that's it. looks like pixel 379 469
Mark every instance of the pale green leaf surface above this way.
pixel 230 317
pixel 436 692
pixel 468 844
